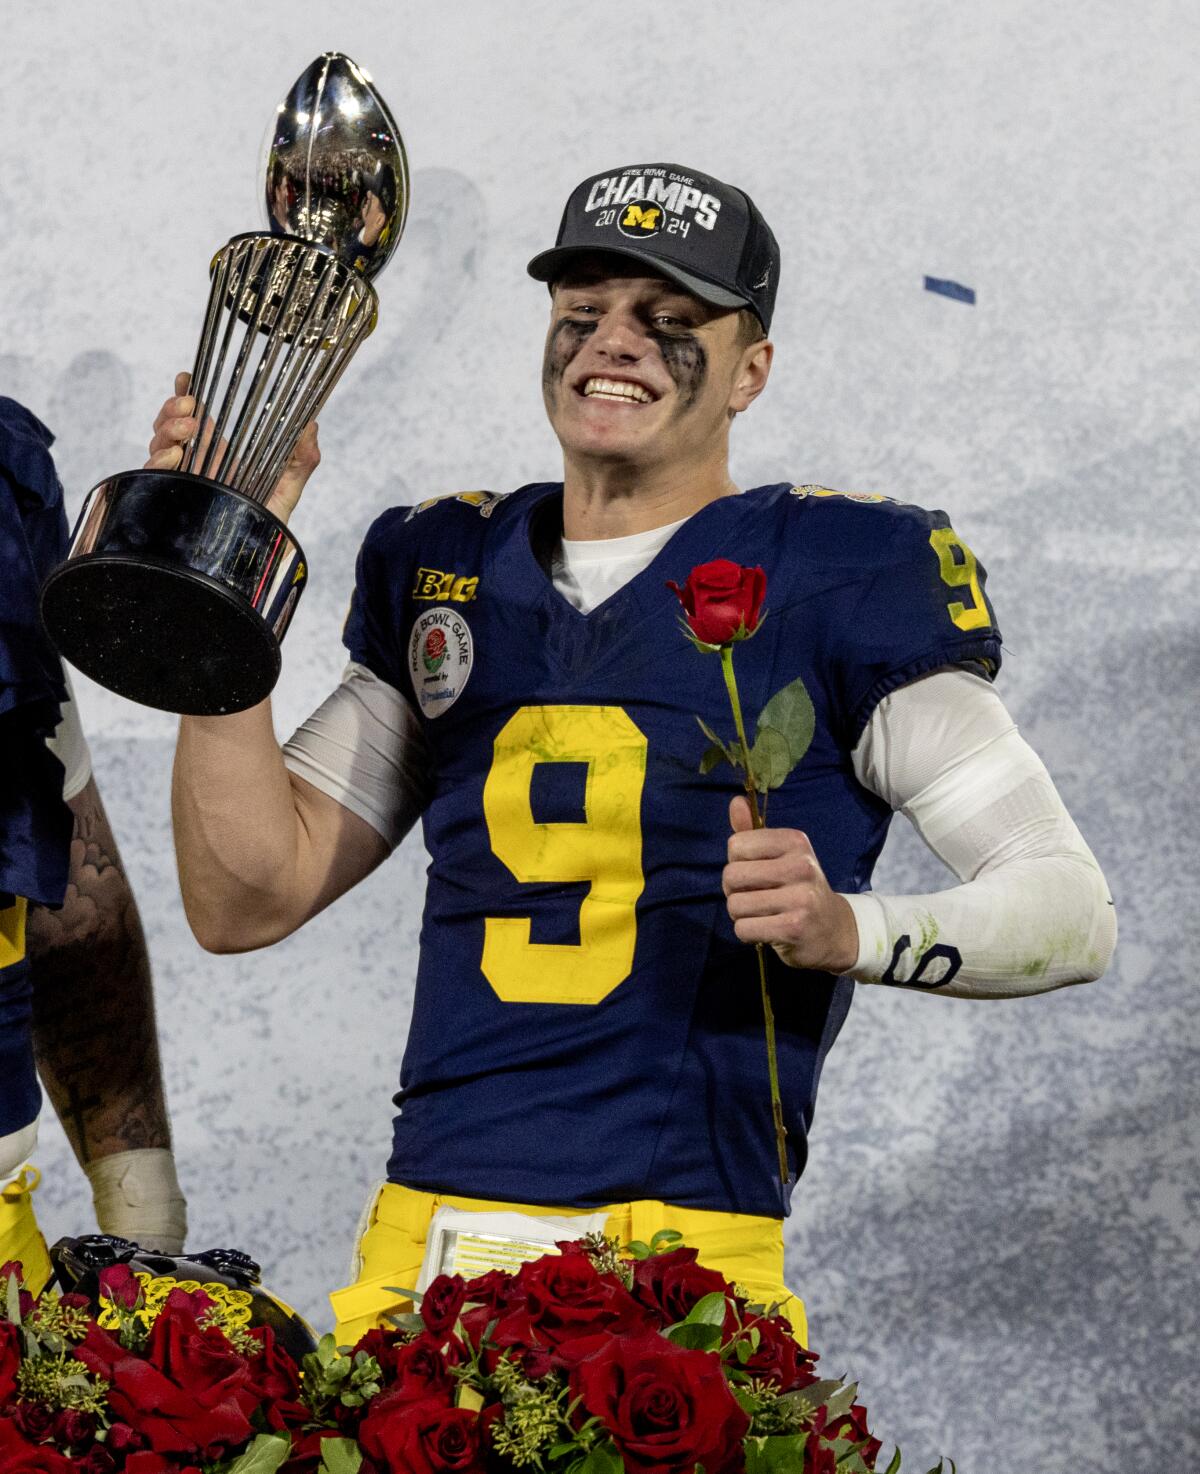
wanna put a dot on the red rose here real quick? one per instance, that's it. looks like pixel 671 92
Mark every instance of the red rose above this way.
pixel 667 1408
pixel 19 1457
pixel 73 1427
pixel 671 1284
pixel 10 1360
pixel 276 1382
pixel 152 1463
pixel 122 1439
pixel 441 1303
pixel 97 1460
pixel 780 1358
pixel 191 1392
pixel 490 1289
pixel 421 1374
pixel 854 1425
pixel 384 1346
pixel 513 1336
pixel 423 1438
pixel 33 1420
pixel 722 601
pixel 118 1284
pixel 570 1303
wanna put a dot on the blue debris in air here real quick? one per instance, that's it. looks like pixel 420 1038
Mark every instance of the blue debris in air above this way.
pixel 950 289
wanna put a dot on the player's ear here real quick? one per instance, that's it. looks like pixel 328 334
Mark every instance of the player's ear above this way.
pixel 753 372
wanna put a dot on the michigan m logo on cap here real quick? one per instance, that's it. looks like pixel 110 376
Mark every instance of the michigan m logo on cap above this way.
pixel 640 221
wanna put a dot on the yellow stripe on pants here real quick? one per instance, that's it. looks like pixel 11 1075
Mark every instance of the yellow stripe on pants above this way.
pixel 747 1250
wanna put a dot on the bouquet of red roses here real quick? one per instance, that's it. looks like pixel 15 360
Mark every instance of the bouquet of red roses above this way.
pixel 587 1362
pixel 139 1384
pixel 582 1362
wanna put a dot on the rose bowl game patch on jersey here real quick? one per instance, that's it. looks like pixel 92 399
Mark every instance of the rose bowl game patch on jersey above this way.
pixel 440 656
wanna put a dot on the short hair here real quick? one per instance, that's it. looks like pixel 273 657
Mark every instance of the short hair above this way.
pixel 749 329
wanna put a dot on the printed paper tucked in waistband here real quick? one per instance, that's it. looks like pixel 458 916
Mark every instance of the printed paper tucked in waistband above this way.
pixel 472 1243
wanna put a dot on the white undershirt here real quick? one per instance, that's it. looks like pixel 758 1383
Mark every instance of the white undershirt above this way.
pixel 587 572
pixel 1032 912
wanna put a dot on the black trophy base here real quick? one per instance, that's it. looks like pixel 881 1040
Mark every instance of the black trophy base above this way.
pixel 176 593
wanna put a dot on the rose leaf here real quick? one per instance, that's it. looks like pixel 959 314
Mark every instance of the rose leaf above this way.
pixel 603 1459
pixel 694 1337
pixel 664 1239
pixel 841 1402
pixel 790 712
pixel 263 1456
pixel 778 1454
pixel 770 758
pixel 712 756
pixel 340 1456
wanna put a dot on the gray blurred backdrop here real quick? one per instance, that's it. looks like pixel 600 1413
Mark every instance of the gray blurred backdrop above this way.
pixel 997 1229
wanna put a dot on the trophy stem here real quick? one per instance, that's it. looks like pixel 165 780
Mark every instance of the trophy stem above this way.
pixel 235 381
pixel 300 312
pixel 206 392
pixel 278 420
pixel 204 348
pixel 318 392
pixel 258 385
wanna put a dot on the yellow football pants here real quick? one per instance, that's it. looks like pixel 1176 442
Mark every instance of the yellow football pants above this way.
pixel 745 1249
pixel 20 1236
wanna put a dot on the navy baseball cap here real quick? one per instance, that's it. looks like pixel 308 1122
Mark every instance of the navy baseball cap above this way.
pixel 707 236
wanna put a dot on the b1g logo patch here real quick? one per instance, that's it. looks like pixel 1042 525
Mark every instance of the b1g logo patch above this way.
pixel 440 656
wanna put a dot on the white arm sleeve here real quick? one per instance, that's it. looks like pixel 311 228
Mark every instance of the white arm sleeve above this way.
pixel 1033 912
pixel 364 747
pixel 69 745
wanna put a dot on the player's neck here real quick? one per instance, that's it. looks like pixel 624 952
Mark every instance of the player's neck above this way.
pixel 602 500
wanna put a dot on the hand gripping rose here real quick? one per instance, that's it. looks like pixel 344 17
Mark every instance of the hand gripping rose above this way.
pixel 722 606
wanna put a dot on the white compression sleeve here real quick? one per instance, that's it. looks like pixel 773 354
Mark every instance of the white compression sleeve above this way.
pixel 137 1196
pixel 1033 912
pixel 364 747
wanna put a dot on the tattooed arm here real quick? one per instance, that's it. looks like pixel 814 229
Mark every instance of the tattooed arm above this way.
pixel 95 1037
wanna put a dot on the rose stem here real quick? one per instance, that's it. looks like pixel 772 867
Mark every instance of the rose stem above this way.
pixel 768 1012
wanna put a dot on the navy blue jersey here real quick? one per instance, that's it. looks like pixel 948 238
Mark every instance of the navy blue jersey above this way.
pixel 35 823
pixel 587 1029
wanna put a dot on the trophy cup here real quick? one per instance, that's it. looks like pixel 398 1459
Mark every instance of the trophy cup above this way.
pixel 179 586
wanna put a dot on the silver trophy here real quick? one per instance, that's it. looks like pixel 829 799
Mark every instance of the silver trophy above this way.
pixel 179 585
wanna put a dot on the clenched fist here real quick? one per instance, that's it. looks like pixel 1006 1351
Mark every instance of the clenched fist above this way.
pixel 777 893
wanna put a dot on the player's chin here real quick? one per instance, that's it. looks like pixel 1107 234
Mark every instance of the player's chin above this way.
pixel 603 426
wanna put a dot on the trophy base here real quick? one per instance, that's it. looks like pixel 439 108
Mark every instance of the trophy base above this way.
pixel 176 593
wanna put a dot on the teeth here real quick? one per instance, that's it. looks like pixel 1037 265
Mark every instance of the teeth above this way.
pixel 616 389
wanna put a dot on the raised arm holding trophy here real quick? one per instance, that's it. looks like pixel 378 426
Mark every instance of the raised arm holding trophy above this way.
pixel 180 584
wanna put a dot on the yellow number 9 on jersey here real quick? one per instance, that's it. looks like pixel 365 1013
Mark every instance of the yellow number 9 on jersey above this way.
pixel 605 849
pixel 960 574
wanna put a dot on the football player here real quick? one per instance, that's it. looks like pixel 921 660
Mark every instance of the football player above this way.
pixel 74 977
pixel 587 1032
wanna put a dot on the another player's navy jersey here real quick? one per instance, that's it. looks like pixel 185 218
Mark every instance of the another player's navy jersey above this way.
pixel 35 824
pixel 587 1029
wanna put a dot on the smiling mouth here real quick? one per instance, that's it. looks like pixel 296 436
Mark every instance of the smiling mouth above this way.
pixel 621 391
